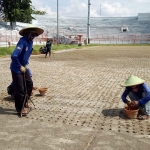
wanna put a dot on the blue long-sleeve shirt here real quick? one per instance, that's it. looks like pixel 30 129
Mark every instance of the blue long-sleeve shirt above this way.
pixel 142 88
pixel 21 54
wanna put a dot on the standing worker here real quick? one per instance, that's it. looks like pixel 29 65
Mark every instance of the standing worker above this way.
pixel 48 47
pixel 20 74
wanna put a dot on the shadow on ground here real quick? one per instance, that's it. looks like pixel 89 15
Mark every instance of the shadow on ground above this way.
pixel 115 112
pixel 7 111
pixel 9 98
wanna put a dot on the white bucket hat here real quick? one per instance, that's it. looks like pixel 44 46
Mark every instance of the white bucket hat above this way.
pixel 31 28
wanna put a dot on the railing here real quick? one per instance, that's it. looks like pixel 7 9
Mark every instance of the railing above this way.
pixel 8 38
pixel 121 39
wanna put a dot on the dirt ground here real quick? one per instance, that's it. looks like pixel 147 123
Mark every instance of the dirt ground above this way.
pixel 82 109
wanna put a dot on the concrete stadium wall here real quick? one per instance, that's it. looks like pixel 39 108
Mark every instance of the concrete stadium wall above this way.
pixel 144 16
pixel 4 23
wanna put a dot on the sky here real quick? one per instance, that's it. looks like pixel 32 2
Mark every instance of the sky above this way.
pixel 98 8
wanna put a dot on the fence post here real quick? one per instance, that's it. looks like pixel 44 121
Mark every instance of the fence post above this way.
pixel 134 39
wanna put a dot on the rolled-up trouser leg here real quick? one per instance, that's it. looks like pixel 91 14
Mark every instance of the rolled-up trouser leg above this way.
pixel 147 108
pixel 19 92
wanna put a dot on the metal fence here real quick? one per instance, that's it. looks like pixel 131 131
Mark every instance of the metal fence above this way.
pixel 122 39
pixel 8 38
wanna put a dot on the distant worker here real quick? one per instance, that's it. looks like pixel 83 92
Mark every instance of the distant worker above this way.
pixel 48 47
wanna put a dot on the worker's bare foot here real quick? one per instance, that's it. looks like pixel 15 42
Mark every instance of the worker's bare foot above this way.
pixel 27 105
pixel 23 112
pixel 143 117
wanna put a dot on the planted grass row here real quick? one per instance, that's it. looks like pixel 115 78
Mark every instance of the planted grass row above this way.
pixel 4 51
pixel 8 50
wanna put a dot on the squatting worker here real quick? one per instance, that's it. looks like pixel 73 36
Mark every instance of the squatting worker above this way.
pixel 139 93
pixel 20 60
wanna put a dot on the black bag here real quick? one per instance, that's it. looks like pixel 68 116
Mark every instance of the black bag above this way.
pixel 10 89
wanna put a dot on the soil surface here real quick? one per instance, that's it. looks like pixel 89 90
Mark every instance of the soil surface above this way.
pixel 82 109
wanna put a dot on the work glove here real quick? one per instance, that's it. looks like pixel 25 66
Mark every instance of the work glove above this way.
pixel 134 103
pixel 22 69
pixel 128 103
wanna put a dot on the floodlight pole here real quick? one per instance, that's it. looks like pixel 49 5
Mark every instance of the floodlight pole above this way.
pixel 88 23
pixel 57 24
pixel 100 9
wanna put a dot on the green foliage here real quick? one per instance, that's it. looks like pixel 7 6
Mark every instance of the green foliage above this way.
pixel 18 10
pixel 25 11
pixel 38 12
pixel 8 50
pixel 63 46
pixel 55 47
pixel 34 11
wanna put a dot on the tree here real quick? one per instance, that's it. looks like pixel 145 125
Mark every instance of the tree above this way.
pixel 1 10
pixel 17 10
pixel 34 11
pixel 25 11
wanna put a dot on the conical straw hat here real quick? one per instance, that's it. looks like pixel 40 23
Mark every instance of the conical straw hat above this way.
pixel 132 80
pixel 31 28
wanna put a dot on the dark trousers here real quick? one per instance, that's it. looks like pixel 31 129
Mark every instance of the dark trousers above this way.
pixel 20 80
pixel 146 107
pixel 48 51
